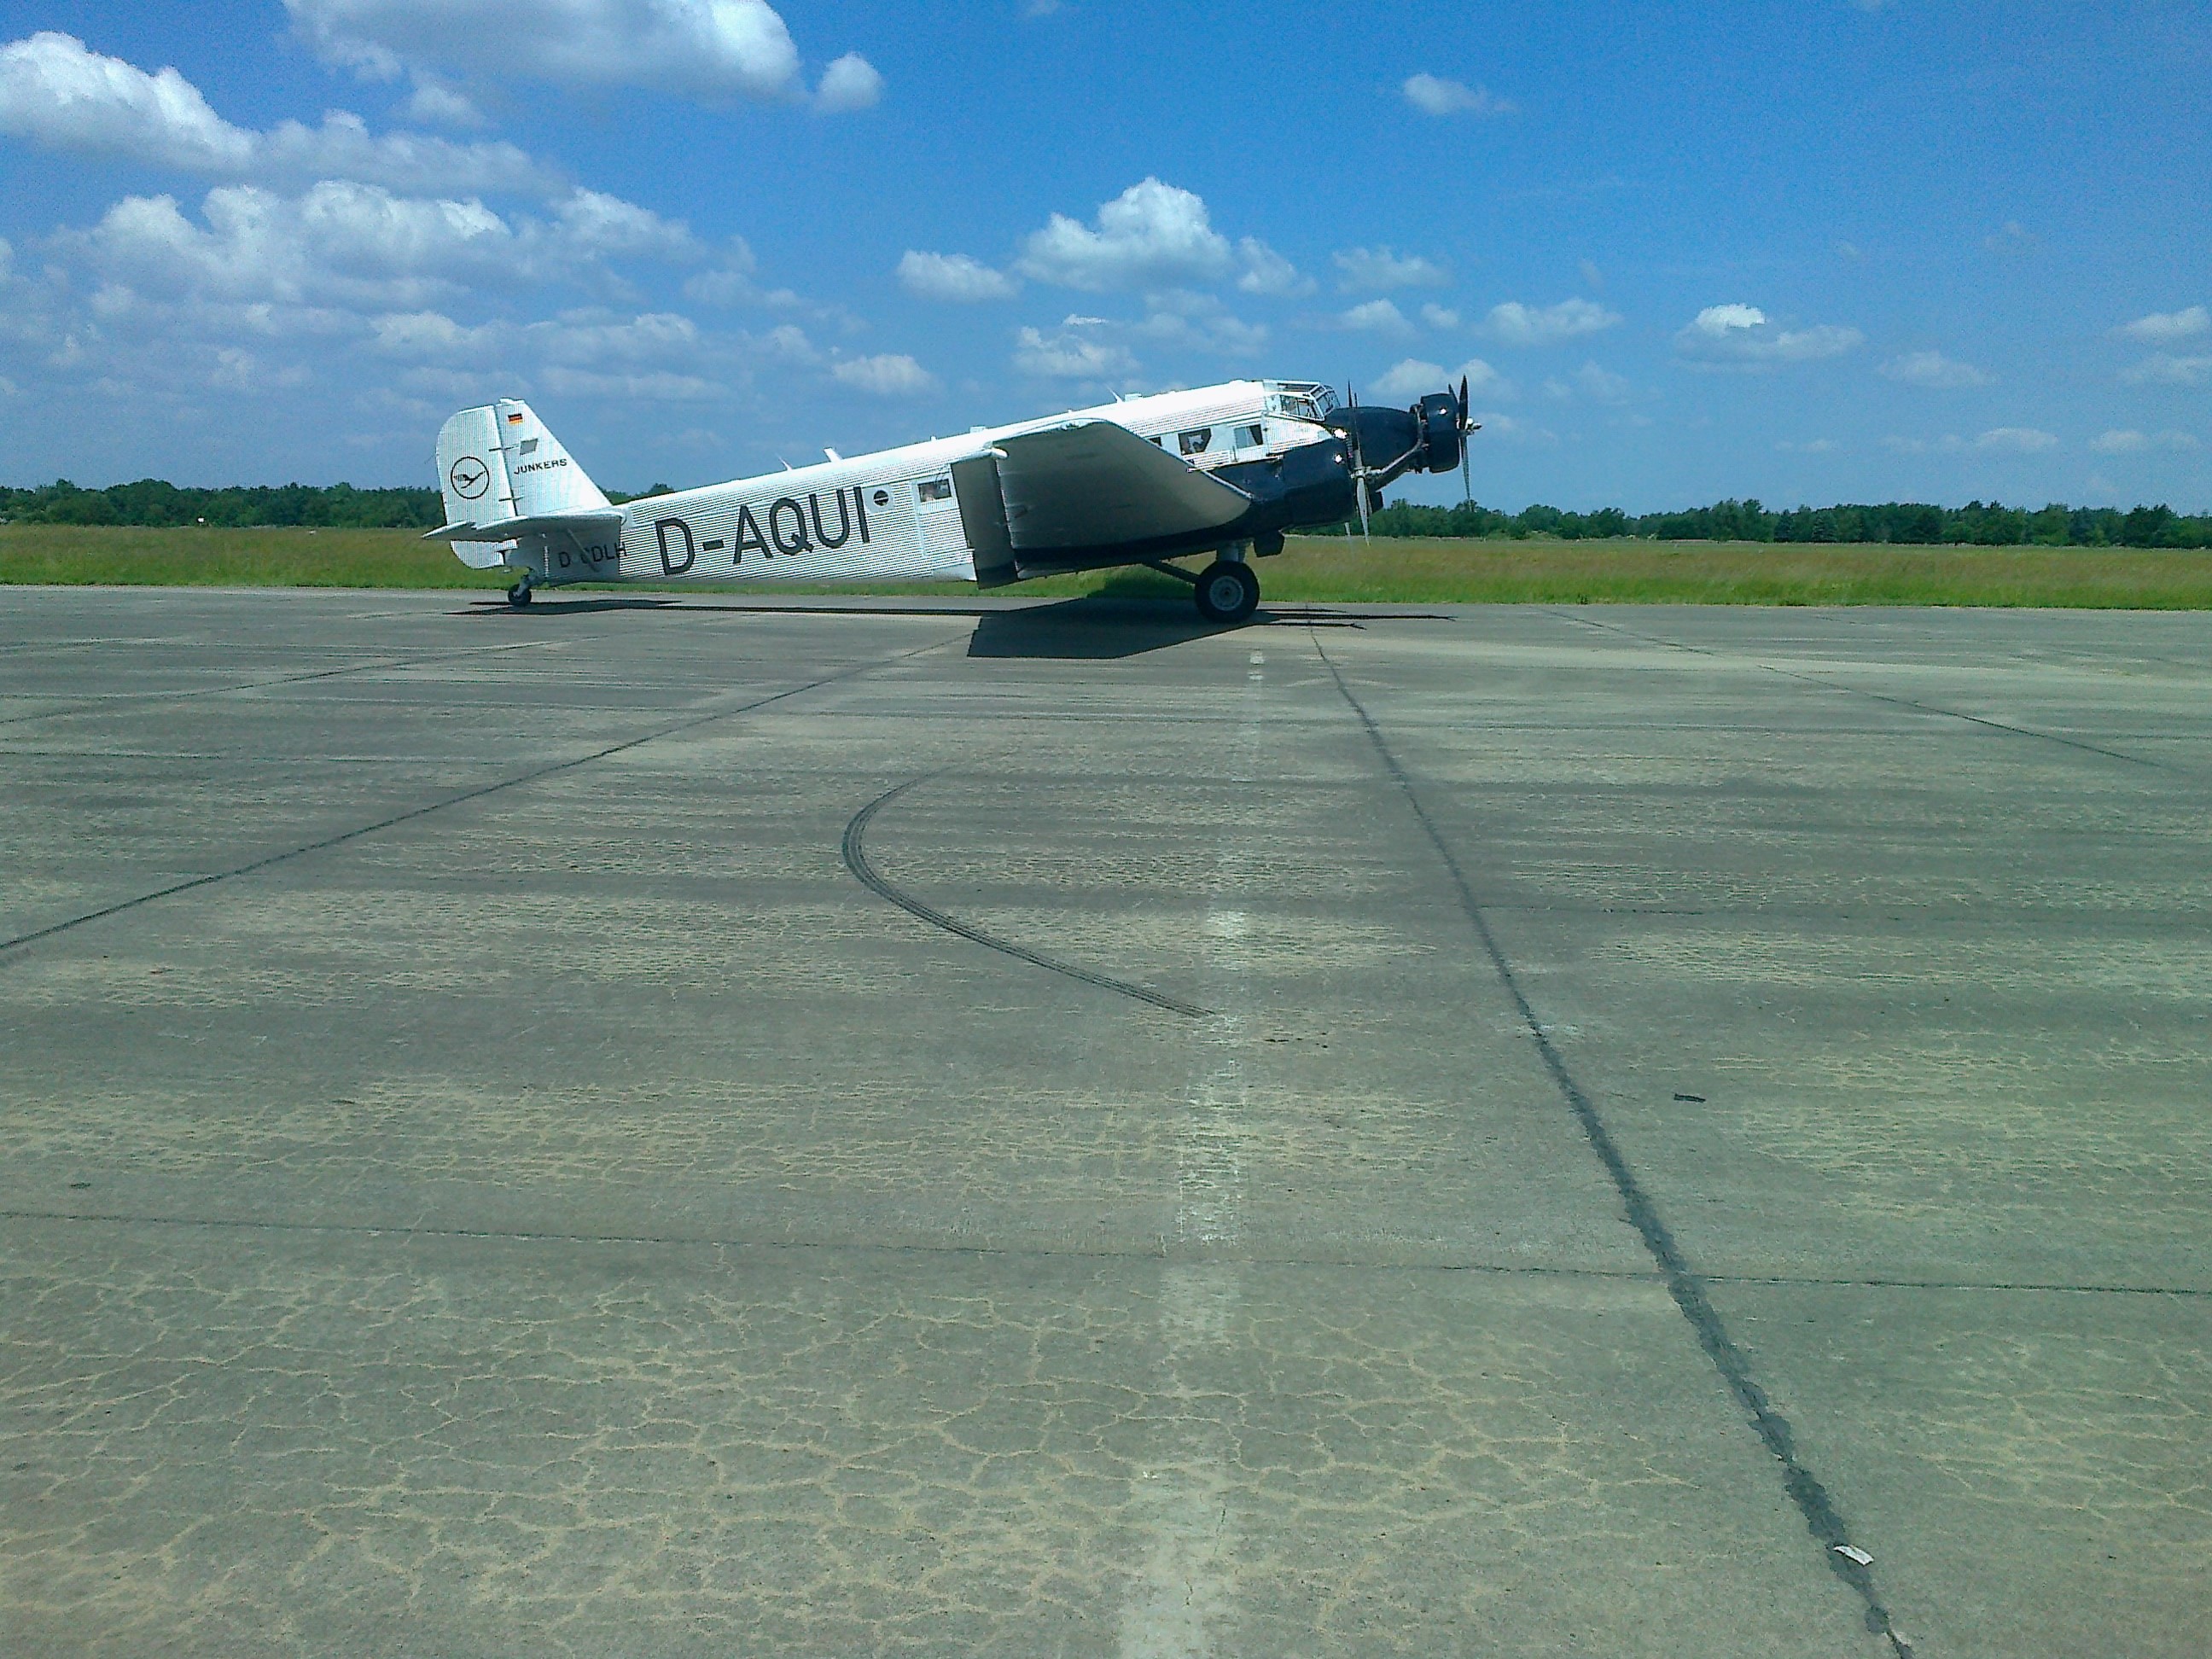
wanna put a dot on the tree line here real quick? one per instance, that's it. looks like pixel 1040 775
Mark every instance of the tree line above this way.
pixel 153 501
pixel 1979 524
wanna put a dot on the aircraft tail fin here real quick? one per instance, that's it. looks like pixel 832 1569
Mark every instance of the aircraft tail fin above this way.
pixel 499 462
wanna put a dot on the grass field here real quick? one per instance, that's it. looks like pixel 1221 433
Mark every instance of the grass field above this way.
pixel 1312 567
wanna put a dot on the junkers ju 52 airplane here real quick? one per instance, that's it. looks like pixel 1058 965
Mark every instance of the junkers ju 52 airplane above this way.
pixel 1224 469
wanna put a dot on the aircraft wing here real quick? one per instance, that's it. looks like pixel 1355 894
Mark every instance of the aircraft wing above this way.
pixel 1092 484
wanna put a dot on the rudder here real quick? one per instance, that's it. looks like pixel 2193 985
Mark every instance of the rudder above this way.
pixel 543 477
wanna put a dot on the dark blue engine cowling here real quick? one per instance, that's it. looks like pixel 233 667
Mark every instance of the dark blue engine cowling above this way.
pixel 1386 440
pixel 1390 442
pixel 1440 433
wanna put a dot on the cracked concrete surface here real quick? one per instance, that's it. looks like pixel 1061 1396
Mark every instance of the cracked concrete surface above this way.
pixel 583 1219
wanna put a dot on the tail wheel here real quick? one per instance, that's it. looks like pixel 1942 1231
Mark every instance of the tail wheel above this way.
pixel 1227 592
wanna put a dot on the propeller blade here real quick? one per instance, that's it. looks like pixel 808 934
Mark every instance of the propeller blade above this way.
pixel 1463 426
pixel 1356 454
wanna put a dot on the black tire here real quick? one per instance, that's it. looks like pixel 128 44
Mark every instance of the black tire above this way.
pixel 519 595
pixel 1227 592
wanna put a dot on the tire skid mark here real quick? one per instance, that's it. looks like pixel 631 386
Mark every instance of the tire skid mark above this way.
pixel 1687 1288
pixel 855 850
pixel 773 1242
pixel 499 785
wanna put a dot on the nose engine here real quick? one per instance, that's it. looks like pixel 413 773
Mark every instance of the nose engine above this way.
pixel 1383 444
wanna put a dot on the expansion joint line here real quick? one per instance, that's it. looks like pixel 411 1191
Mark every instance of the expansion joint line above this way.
pixel 1822 1518
pixel 382 665
pixel 1803 679
pixel 551 770
pixel 856 860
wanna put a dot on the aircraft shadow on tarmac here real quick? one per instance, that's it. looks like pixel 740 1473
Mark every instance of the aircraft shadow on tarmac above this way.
pixel 1101 628
pixel 1093 627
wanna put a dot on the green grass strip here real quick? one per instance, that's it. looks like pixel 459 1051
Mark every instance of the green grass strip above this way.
pixel 1321 569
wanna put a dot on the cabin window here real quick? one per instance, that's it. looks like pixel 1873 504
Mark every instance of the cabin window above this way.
pixel 1251 437
pixel 934 490
pixel 1194 441
pixel 1160 439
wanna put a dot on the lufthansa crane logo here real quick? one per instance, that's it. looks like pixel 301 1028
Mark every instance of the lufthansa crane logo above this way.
pixel 469 478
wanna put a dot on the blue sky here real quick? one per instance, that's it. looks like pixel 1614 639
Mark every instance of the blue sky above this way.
pixel 1819 251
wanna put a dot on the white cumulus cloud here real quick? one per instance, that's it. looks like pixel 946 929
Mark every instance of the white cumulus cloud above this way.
pixel 60 95
pixel 2127 441
pixel 1267 271
pixel 850 83
pixel 346 244
pixel 1074 352
pixel 1188 321
pixel 1412 378
pixel 708 49
pixel 1432 94
pixel 658 386
pixel 1376 316
pixel 2164 369
pixel 594 338
pixel 440 106
pixel 1152 235
pixel 891 374
pixel 1934 370
pixel 730 280
pixel 953 276
pixel 1515 324
pixel 2169 327
pixel 1368 269
pixel 1408 379
pixel 432 335
pixel 1602 385
pixel 1738 336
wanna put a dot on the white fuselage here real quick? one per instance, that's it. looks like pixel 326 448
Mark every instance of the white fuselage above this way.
pixel 893 516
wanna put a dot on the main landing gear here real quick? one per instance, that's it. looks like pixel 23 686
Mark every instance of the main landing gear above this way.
pixel 1227 592
pixel 519 595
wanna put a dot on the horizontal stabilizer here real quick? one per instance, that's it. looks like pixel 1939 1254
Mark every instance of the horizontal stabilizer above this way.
pixel 1094 484
pixel 510 529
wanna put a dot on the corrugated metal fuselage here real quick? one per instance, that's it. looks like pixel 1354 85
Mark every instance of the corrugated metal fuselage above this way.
pixel 893 515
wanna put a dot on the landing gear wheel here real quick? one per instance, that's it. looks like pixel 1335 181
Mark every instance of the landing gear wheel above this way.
pixel 519 595
pixel 1227 592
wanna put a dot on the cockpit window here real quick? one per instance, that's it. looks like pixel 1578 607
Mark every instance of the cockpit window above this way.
pixel 1194 442
pixel 1251 437
pixel 1303 400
